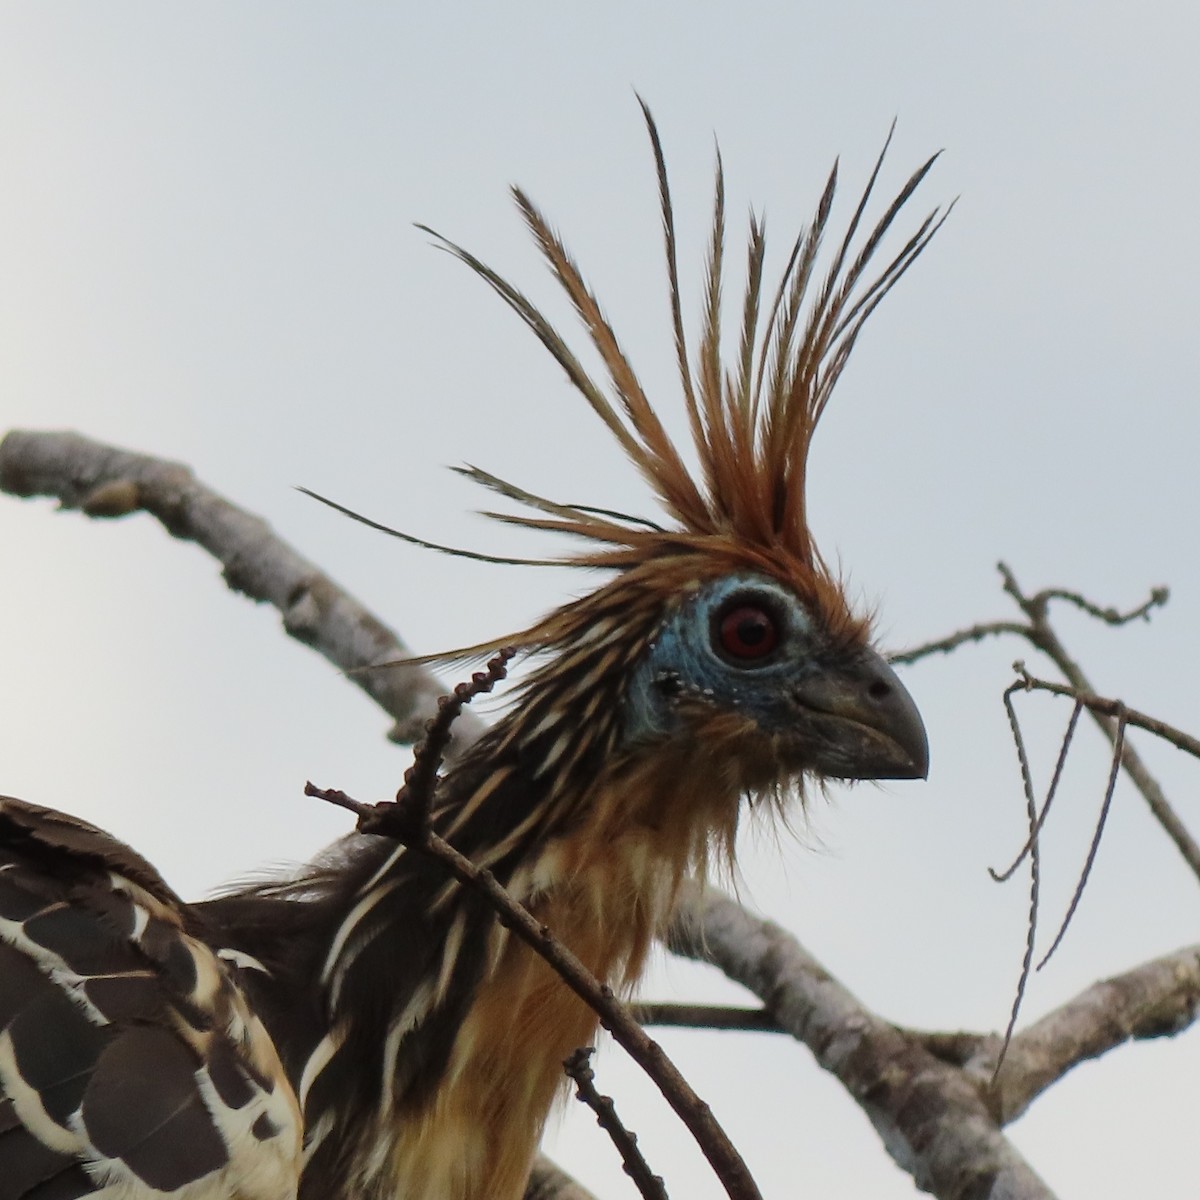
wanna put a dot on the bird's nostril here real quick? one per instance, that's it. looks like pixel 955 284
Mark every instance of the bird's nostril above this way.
pixel 879 690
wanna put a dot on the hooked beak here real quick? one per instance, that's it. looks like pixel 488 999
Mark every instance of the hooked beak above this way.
pixel 862 721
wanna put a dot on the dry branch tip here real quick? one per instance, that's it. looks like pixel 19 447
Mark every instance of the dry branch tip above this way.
pixel 578 1068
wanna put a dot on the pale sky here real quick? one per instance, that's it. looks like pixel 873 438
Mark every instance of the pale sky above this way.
pixel 207 252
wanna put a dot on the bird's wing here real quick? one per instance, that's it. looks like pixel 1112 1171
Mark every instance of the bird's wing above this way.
pixel 131 1065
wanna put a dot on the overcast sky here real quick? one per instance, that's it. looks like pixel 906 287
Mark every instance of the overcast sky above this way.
pixel 207 252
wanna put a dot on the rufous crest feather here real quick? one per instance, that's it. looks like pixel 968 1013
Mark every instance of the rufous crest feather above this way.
pixel 751 420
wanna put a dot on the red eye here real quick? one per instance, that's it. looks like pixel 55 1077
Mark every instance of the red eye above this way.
pixel 747 632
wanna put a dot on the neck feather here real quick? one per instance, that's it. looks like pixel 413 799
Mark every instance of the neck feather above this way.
pixel 423 1016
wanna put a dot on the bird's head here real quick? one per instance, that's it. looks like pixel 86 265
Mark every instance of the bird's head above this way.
pixel 721 627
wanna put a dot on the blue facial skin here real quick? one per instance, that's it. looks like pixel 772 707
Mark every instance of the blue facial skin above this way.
pixel 835 709
pixel 685 661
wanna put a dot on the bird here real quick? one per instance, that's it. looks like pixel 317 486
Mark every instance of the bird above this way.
pixel 364 1027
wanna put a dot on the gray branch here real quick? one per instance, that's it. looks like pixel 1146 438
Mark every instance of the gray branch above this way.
pixel 1158 999
pixel 933 1097
pixel 934 1119
pixel 105 481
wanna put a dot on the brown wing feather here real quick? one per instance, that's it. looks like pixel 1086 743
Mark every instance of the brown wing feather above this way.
pixel 127 1053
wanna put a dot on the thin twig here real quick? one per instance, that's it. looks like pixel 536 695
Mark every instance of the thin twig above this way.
pixel 420 779
pixel 976 633
pixel 1041 634
pixel 1051 791
pixel 1118 745
pixel 1110 616
pixel 578 1067
pixel 731 1017
pixel 1117 709
pixel 1035 871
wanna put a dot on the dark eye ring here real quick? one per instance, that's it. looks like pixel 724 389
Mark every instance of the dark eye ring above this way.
pixel 746 631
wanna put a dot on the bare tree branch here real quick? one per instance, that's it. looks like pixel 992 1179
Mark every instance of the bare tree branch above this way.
pixel 578 1067
pixel 1106 613
pixel 105 481
pixel 931 1095
pixel 935 1120
pixel 1158 999
pixel 1041 633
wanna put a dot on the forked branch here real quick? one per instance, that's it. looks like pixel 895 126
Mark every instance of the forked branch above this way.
pixel 1040 633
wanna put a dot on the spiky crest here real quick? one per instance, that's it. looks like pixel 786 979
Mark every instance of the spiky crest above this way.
pixel 751 423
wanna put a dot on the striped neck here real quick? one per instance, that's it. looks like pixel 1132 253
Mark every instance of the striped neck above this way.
pixel 445 1036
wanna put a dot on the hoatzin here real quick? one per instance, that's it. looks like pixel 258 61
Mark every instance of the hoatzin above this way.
pixel 366 1029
